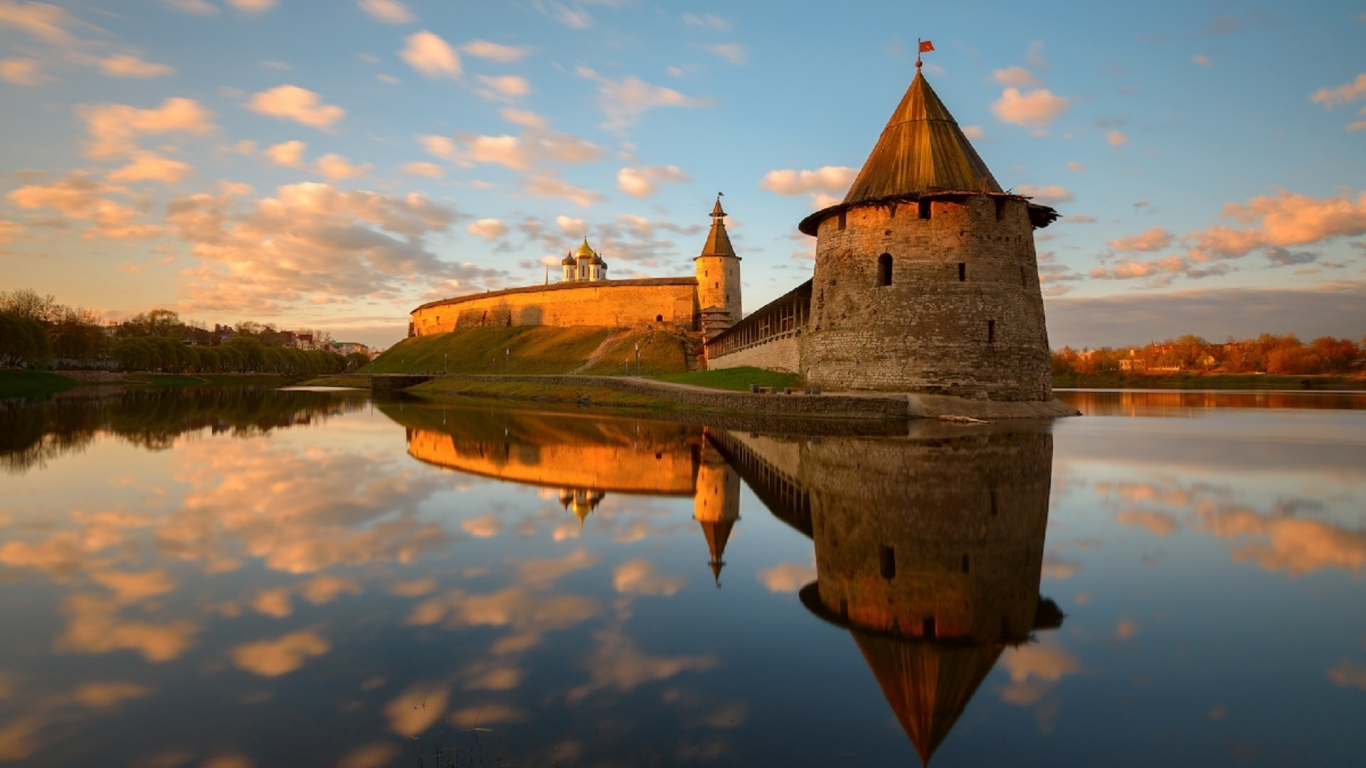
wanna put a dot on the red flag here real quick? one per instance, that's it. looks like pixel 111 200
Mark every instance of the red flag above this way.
pixel 926 45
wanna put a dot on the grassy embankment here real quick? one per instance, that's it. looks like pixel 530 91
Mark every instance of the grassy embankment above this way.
pixel 33 384
pixel 736 379
pixel 536 350
pixel 1249 381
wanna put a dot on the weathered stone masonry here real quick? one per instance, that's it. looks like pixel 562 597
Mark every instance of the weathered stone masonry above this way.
pixel 610 303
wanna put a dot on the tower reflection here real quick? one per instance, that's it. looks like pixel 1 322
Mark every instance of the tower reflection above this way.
pixel 928 551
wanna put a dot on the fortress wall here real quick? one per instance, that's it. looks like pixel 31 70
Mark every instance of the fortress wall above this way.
pixel 607 467
pixel 607 303
pixel 928 331
pixel 782 354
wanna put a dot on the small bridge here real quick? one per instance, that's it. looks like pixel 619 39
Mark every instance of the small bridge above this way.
pixel 389 382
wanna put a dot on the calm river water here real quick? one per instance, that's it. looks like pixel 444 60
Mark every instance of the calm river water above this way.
pixel 275 578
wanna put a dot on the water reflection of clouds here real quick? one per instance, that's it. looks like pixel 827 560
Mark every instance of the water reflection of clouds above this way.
pixel 1285 538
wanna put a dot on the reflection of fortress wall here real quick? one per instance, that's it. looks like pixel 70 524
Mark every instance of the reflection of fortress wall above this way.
pixel 616 467
pixel 940 539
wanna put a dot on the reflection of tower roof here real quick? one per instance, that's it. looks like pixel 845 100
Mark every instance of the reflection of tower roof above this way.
pixel 718 241
pixel 585 251
pixel 717 533
pixel 928 684
pixel 921 148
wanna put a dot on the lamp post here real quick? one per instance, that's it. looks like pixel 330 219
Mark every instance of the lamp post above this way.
pixel 507 360
pixel 637 358
pixel 445 360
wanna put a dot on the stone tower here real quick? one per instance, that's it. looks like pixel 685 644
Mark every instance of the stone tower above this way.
pixel 926 278
pixel 718 270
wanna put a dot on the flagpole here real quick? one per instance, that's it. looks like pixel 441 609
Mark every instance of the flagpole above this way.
pixel 917 53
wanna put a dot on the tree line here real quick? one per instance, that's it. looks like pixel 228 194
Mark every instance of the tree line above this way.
pixel 1266 353
pixel 35 331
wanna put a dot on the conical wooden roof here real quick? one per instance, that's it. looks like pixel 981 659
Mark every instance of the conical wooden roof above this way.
pixel 718 241
pixel 922 148
pixel 717 533
pixel 928 684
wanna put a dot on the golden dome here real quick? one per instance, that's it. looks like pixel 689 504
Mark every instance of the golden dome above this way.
pixel 585 251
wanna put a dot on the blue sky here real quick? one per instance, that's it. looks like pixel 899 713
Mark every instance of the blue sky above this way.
pixel 332 164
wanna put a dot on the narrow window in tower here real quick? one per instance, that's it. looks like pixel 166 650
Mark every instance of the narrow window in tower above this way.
pixel 840 225
pixel 716 285
pixel 962 271
pixel 925 209
pixel 884 269
pixel 965 564
pixel 991 331
pixel 659 318
pixel 927 627
pixel 887 561
pixel 1000 208
pixel 1023 281
pixel 704 273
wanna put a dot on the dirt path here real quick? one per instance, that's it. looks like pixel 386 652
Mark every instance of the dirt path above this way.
pixel 606 344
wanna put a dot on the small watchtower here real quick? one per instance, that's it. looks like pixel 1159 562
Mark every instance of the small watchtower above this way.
pixel 718 272
pixel 926 278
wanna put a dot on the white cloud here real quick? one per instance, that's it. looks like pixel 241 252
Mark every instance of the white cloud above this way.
pixel 1116 138
pixel 485 526
pixel 1073 165
pixel 252 6
pixel 504 87
pixel 431 56
pixel 387 11
pixel 1047 195
pixel 414 710
pixel 732 52
pixel 973 132
pixel 574 18
pixel 1201 59
pixel 335 167
pixel 532 147
pixel 1342 94
pixel 523 118
pixel 111 128
pixel 486 50
pixel 706 21
pixel 638 577
pixel 81 199
pixel 290 102
pixel 489 229
pixel 47 23
pixel 430 170
pixel 643 182
pixel 272 658
pixel 1037 108
pixel 128 65
pixel 193 7
pixel 547 184
pixel 149 166
pixel 8 230
pixel 787 577
pixel 312 243
pixel 20 71
pixel 1015 77
pixel 625 100
pixel 1154 239
pixel 829 178
pixel 288 154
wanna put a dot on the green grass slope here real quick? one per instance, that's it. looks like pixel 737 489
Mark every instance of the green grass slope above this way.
pixel 737 379
pixel 535 350
pixel 26 384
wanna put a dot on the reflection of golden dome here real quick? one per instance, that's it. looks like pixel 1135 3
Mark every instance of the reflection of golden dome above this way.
pixel 582 502
pixel 585 251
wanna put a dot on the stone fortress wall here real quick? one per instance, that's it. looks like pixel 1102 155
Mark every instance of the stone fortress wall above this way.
pixel 605 303
pixel 939 295
pixel 780 354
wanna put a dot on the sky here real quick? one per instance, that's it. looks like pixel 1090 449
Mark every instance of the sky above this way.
pixel 334 164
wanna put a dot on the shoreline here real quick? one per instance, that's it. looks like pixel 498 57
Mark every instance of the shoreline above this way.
pixel 632 392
